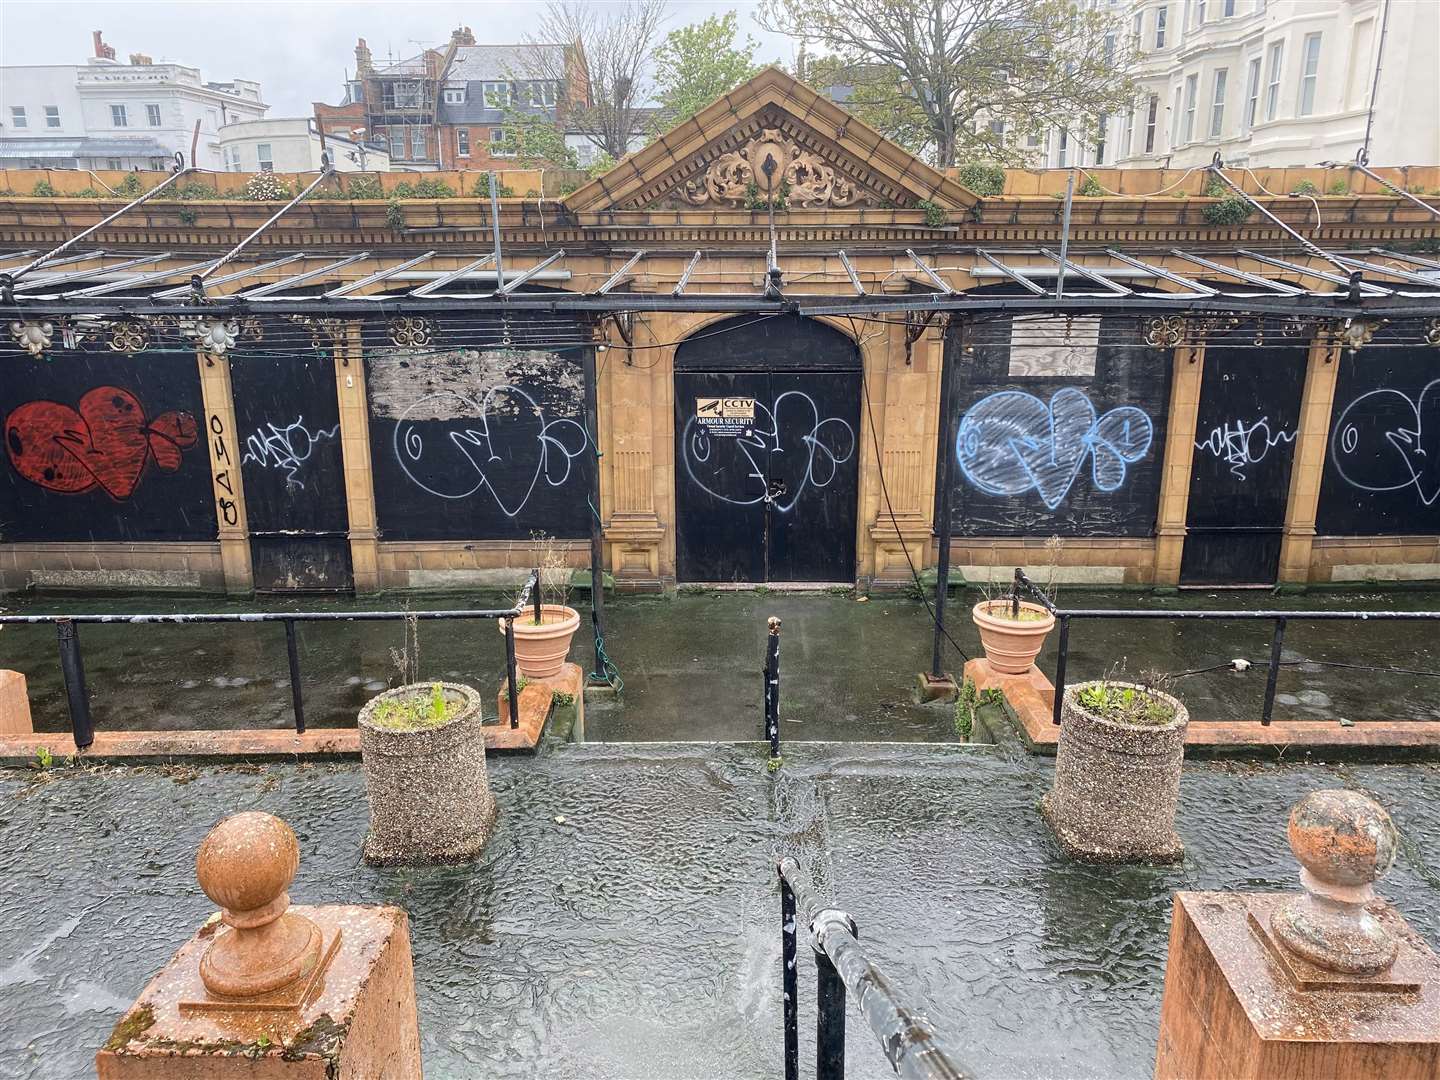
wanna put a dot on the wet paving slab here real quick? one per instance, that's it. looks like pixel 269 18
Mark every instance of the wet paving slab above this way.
pixel 624 922
pixel 691 661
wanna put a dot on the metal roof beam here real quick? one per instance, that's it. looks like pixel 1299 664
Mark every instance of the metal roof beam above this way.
pixel 1403 275
pixel 935 279
pixel 851 274
pixel 1414 260
pixel 300 279
pixel 184 290
pixel 139 279
pixel 1013 274
pixel 1086 272
pixel 679 289
pixel 1162 273
pixel 520 279
pixel 378 276
pixel 1308 271
pixel 619 275
pixel 1253 279
pixel 454 275
pixel 81 275
pixel 326 172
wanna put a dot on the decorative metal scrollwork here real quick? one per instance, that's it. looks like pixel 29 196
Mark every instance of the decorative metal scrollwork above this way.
pixel 1432 331
pixel 1356 333
pixel 215 336
pixel 34 336
pixel 128 336
pixel 1164 331
pixel 252 329
pixel 409 332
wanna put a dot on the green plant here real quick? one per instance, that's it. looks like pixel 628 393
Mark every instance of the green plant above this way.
pixel 563 698
pixel 602 164
pixel 364 187
pixel 265 187
pixel 935 215
pixel 1090 189
pixel 1231 210
pixel 433 189
pixel 43 757
pixel 394 214
pixel 983 180
pixel 773 764
pixel 403 190
pixel 194 192
pixel 1214 189
pixel 1143 704
pixel 1339 187
pixel 43 190
pixel 187 215
pixel 85 193
pixel 505 191
pixel 417 710
pixel 1305 187
pixel 131 185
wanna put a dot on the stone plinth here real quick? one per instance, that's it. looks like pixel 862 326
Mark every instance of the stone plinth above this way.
pixel 14 704
pixel 356 1021
pixel 1238 1004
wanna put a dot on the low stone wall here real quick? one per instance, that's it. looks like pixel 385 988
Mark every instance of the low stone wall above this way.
pixel 120 566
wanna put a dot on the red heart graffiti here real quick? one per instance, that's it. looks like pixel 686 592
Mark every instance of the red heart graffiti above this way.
pixel 106 442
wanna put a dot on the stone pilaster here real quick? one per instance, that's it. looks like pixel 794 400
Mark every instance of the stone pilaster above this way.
pixel 635 466
pixel 1316 405
pixel 221 438
pixel 1189 367
pixel 355 452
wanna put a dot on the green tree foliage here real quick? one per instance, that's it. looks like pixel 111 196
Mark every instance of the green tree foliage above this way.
pixel 697 64
pixel 534 139
pixel 941 71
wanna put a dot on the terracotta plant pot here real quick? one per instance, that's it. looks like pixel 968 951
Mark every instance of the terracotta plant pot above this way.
pixel 540 651
pixel 429 793
pixel 1116 785
pixel 1011 645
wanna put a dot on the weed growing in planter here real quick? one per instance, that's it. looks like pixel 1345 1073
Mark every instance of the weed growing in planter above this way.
pixel 1133 706
pixel 417 711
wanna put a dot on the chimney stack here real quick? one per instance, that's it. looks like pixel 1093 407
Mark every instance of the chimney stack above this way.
pixel 363 65
pixel 102 51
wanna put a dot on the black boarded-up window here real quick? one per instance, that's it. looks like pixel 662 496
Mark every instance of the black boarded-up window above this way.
pixel 103 446
pixel 1061 428
pixel 1382 466
pixel 474 439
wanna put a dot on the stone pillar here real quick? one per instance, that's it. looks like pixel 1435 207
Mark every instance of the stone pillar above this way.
pixel 1327 982
pixel 224 443
pixel 273 991
pixel 636 463
pixel 355 452
pixel 1188 367
pixel 905 402
pixel 1316 407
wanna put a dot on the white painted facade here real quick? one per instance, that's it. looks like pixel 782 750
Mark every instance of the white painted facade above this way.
pixel 1274 83
pixel 109 115
pixel 290 145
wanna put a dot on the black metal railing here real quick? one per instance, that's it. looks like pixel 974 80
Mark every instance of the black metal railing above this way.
pixel 771 676
pixel 842 968
pixel 1063 617
pixel 72 662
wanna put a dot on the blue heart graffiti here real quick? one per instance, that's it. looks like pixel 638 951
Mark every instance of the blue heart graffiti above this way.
pixel 1011 442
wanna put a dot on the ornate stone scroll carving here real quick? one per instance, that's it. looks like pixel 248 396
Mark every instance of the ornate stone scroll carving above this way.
pixel 755 170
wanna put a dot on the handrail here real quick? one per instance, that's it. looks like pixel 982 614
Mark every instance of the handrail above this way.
pixel 842 966
pixel 72 664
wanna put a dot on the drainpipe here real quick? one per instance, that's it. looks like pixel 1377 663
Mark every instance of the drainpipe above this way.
pixel 1375 86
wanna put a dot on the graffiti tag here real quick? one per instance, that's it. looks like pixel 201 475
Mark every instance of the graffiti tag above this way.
pixel 1388 441
pixel 229 508
pixel 508 460
pixel 826 444
pixel 1011 442
pixel 287 448
pixel 105 441
pixel 1240 445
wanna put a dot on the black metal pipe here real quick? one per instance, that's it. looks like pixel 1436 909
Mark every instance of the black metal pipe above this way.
pixel 297 692
pixel 1272 674
pixel 1260 616
pixel 268 616
pixel 829 1020
pixel 950 418
pixel 1062 656
pixel 772 685
pixel 597 538
pixel 72 666
pixel 789 980
pixel 536 597
pixel 511 681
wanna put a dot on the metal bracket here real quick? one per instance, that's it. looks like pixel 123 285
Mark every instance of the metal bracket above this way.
pixel 916 323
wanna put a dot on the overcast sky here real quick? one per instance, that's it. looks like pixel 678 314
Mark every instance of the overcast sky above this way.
pixel 298 50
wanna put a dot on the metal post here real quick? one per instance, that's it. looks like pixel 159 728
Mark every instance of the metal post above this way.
pixel 1065 235
pixel 1273 674
pixel 597 539
pixel 1015 594
pixel 1063 654
pixel 535 596
pixel 829 1020
pixel 72 666
pixel 789 980
pixel 495 230
pixel 511 681
pixel 772 686
pixel 297 694
pixel 949 427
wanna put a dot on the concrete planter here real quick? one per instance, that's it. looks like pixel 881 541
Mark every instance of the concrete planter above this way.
pixel 429 794
pixel 540 651
pixel 1011 645
pixel 1116 786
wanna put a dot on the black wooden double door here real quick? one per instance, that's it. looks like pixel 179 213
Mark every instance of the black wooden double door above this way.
pixel 771 497
pixel 1248 420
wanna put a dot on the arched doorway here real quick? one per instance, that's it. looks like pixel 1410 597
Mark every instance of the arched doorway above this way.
pixel 767 429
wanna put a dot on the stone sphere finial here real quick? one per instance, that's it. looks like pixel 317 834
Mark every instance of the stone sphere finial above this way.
pixel 245 864
pixel 1344 841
